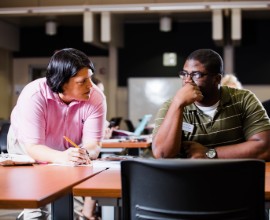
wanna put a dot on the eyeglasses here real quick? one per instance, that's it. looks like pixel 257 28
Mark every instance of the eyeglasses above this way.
pixel 194 75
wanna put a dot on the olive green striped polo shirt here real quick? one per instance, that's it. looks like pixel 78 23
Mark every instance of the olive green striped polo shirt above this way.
pixel 238 116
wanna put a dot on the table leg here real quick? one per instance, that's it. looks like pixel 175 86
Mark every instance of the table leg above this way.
pixel 63 208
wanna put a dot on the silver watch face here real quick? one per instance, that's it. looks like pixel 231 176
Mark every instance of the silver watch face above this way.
pixel 211 153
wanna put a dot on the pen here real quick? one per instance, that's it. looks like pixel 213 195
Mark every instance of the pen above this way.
pixel 70 141
pixel 75 145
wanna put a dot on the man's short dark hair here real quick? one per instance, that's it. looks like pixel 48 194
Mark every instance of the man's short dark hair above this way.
pixel 63 65
pixel 211 60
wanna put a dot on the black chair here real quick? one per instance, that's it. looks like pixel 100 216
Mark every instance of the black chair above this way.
pixel 129 125
pixel 266 105
pixel 3 137
pixel 193 189
pixel 116 121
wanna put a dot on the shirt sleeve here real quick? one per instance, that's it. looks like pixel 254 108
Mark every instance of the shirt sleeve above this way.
pixel 94 125
pixel 161 115
pixel 255 119
pixel 29 118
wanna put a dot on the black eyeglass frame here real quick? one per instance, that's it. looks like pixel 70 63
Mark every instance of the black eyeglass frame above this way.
pixel 194 75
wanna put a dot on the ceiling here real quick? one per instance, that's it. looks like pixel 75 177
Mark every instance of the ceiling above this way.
pixel 77 20
pixel 31 19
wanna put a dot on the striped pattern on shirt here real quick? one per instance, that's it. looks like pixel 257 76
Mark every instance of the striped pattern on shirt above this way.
pixel 238 116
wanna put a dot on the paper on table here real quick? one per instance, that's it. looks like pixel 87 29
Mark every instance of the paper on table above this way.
pixel 70 165
pixel 111 161
pixel 106 164
pixel 141 138
pixel 15 159
pixel 112 140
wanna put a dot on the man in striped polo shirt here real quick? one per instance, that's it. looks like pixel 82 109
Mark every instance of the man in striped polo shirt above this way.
pixel 206 120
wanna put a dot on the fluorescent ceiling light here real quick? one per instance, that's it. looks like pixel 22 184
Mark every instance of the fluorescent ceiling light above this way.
pixel 57 9
pixel 176 7
pixel 237 6
pixel 13 11
pixel 226 5
pixel 83 8
pixel 116 8
pixel 136 7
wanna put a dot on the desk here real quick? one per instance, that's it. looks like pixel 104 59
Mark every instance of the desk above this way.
pixel 106 187
pixel 133 147
pixel 267 182
pixel 38 185
pixel 125 144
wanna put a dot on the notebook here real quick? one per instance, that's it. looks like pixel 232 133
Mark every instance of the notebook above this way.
pixel 138 131
pixel 15 159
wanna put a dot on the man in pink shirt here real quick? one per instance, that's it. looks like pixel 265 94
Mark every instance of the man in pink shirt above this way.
pixel 65 103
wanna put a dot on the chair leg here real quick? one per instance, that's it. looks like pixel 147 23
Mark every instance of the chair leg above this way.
pixel 267 217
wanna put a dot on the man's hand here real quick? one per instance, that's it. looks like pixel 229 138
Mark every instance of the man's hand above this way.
pixel 77 156
pixel 194 150
pixel 188 94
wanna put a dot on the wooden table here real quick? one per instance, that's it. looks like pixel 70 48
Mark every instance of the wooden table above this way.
pixel 125 144
pixel 133 147
pixel 106 187
pixel 267 182
pixel 38 185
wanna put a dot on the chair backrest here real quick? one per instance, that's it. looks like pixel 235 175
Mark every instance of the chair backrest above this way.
pixel 116 121
pixel 129 125
pixel 193 189
pixel 266 105
pixel 3 137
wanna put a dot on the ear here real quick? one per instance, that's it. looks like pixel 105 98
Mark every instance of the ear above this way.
pixel 218 78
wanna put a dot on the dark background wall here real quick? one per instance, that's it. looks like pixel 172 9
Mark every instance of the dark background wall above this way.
pixel 35 43
pixel 252 58
pixel 145 45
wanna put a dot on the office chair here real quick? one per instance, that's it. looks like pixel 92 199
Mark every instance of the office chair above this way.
pixel 3 137
pixel 116 121
pixel 266 105
pixel 129 125
pixel 205 189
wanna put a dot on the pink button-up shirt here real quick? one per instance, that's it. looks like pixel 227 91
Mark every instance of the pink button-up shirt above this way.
pixel 40 117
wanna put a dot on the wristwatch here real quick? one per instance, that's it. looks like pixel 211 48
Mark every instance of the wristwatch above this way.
pixel 211 153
